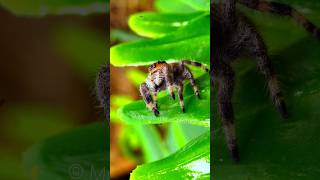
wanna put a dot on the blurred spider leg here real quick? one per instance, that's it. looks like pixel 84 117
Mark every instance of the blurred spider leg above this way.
pixel 228 11
pixel 169 80
pixel 258 50
pixel 180 94
pixel 189 76
pixel 283 10
pixel 225 91
pixel 102 88
pixel 147 97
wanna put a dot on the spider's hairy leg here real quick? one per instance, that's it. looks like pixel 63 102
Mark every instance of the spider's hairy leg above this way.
pixel 258 49
pixel 283 10
pixel 187 73
pixel 228 11
pixel 147 97
pixel 180 95
pixel 169 80
pixel 102 88
pixel 155 98
pixel 225 91
pixel 197 64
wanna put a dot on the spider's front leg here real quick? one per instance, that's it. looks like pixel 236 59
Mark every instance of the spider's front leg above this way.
pixel 225 84
pixel 147 97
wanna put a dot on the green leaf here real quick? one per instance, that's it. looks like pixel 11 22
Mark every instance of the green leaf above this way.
pixel 129 142
pixel 153 148
pixel 179 134
pixel 271 148
pixel 45 7
pixel 150 24
pixel 81 153
pixel 173 6
pixel 197 110
pixel 189 42
pixel 119 35
pixel 116 102
pixel 190 162
pixel 200 5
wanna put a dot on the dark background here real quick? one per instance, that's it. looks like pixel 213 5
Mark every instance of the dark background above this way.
pixel 47 72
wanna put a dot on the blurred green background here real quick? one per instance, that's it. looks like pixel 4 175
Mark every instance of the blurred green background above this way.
pixel 49 56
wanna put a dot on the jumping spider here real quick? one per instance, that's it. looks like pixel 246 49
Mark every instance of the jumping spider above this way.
pixel 167 76
pixel 233 34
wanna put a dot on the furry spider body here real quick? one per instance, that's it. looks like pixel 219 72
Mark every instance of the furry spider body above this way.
pixel 233 34
pixel 167 76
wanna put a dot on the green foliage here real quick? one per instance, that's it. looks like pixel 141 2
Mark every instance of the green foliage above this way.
pixel 80 153
pixel 46 7
pixel 271 148
pixel 118 35
pixel 173 6
pixel 179 134
pixel 181 30
pixel 150 142
pixel 116 102
pixel 154 25
pixel 175 37
pixel 190 162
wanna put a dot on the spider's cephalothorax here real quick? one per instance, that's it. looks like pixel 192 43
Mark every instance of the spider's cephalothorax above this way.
pixel 167 76
pixel 232 34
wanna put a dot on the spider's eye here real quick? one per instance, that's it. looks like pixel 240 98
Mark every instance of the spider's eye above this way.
pixel 151 67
